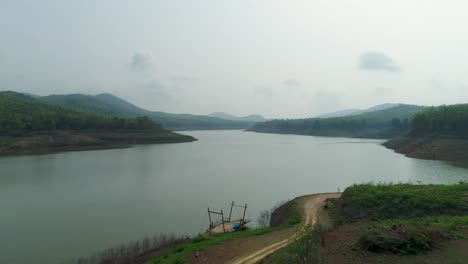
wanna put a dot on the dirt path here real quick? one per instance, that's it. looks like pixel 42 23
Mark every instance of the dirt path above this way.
pixel 253 249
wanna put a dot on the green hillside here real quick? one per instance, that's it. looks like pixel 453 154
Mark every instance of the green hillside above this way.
pixel 110 105
pixel 439 133
pixel 384 123
pixel 22 112
pixel 94 104
pixel 29 125
pixel 451 119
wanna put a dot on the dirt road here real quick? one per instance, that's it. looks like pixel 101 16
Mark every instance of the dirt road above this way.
pixel 310 206
pixel 253 249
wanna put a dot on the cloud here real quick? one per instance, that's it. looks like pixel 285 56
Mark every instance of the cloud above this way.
pixel 291 82
pixel 377 61
pixel 140 62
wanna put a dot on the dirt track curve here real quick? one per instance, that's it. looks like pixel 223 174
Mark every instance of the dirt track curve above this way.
pixel 311 205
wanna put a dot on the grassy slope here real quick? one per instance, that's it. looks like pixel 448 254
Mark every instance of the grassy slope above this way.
pixel 179 254
pixel 107 104
pixel 377 124
pixel 402 201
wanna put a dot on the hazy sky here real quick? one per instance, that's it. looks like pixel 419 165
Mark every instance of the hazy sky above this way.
pixel 275 58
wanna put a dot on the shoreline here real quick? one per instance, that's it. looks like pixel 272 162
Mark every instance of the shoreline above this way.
pixel 435 147
pixel 51 142
pixel 332 134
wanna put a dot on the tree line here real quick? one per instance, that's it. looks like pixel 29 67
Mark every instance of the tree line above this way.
pixel 452 119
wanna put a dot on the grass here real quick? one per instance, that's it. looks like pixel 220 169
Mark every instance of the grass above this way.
pixel 306 249
pixel 451 222
pixel 179 254
pixel 402 201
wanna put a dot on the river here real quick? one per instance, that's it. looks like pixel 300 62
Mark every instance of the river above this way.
pixel 61 206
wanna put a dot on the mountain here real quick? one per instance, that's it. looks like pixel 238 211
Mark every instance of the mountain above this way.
pixel 110 105
pixel 252 118
pixel 378 108
pixel 386 123
pixel 356 111
pixel 346 112
pixel 103 104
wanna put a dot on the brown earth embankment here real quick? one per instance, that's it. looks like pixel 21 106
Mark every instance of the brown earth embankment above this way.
pixel 44 142
pixel 431 147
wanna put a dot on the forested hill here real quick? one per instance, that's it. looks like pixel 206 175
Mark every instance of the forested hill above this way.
pixel 110 105
pixel 386 123
pixel 22 112
pixel 102 104
pixel 446 120
pixel 439 133
pixel 31 126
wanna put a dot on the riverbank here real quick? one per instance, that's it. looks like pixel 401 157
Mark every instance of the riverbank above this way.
pixel 367 133
pixel 434 147
pixel 46 142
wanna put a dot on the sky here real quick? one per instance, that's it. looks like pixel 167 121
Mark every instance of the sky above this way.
pixel 280 59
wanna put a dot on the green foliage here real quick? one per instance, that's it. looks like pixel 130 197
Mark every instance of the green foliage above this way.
pixel 378 124
pixel 19 112
pixel 201 242
pixel 294 219
pixel 402 200
pixel 452 119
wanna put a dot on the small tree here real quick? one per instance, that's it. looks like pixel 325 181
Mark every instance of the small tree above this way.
pixel 264 219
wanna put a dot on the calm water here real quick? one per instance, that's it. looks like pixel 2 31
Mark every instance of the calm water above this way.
pixel 61 206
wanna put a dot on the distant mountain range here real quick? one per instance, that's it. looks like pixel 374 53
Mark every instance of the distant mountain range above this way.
pixel 111 105
pixel 349 112
pixel 381 121
pixel 252 118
